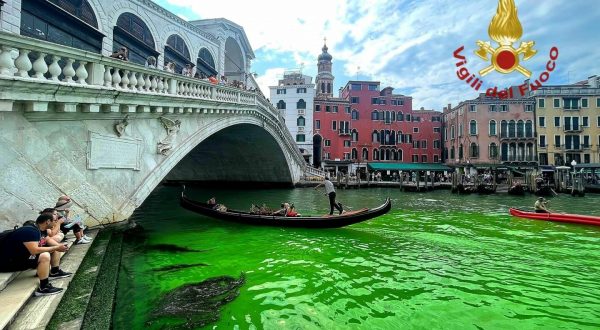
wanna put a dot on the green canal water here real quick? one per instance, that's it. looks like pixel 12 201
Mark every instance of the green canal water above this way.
pixel 436 261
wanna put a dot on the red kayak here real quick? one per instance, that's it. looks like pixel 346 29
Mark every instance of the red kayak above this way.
pixel 562 217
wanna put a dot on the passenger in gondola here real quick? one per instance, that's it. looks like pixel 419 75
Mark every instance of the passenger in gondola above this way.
pixel 283 210
pixel 212 202
pixel 291 212
pixel 540 205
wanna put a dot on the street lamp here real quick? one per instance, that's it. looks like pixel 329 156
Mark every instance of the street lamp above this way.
pixel 573 163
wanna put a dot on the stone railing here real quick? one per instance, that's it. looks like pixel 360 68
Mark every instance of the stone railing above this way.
pixel 314 172
pixel 28 60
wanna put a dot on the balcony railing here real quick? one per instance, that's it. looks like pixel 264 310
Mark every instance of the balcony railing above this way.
pixel 572 129
pixel 301 112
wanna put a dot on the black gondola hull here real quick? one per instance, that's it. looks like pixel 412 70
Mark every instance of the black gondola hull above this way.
pixel 334 221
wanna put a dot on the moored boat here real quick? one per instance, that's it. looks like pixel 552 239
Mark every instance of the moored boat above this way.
pixel 333 221
pixel 561 217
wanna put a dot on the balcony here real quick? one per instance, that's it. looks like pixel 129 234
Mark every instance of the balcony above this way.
pixel 344 132
pixel 301 112
pixel 573 129
pixel 300 129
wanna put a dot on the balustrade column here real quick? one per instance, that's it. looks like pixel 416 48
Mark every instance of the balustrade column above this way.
pixel 54 68
pixel 23 63
pixel 107 76
pixel 6 62
pixel 68 71
pixel 40 67
pixel 82 73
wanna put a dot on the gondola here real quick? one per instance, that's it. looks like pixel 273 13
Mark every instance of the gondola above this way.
pixel 516 190
pixel 561 217
pixel 333 221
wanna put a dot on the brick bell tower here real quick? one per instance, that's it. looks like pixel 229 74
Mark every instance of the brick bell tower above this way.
pixel 324 80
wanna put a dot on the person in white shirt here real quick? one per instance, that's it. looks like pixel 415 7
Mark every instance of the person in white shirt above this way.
pixel 330 191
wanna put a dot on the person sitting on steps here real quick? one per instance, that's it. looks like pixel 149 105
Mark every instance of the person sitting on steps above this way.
pixel 21 250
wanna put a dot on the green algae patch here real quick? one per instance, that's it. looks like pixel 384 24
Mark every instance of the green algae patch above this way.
pixel 74 302
pixel 197 304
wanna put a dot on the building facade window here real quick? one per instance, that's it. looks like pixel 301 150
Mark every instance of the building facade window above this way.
pixel 301 104
pixel 541 103
pixel 317 108
pixel 474 150
pixel 493 151
pixel 473 127
pixel 542 121
pixel 354 115
pixel 300 121
pixel 300 138
pixel 281 91
pixel 281 105
pixel 492 130
pixel 354 100
pixel 301 90
pixel 542 141
pixel 318 124
pixel 472 108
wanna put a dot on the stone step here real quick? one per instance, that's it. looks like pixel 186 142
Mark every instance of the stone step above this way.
pixel 17 294
pixel 75 301
pixel 6 278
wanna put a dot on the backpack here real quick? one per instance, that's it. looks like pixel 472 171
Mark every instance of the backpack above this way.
pixel 4 235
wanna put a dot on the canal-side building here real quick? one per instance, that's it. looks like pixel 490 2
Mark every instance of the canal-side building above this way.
pixel 490 131
pixel 370 123
pixel 293 97
pixel 568 123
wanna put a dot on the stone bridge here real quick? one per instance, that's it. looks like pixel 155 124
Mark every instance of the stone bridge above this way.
pixel 107 132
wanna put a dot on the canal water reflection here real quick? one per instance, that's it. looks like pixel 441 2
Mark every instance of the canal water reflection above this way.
pixel 437 260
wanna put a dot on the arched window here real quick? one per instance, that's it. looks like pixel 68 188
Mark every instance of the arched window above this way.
pixel 354 114
pixel 382 137
pixel 460 151
pixel 392 137
pixel 393 153
pixel 365 154
pixel 529 128
pixel 400 155
pixel 281 105
pixel 375 136
pixel 322 87
pixel 529 154
pixel 400 116
pixel 452 129
pixel 176 51
pixel 354 135
pixel 70 23
pixel 452 153
pixel 382 154
pixel 474 150
pixel 375 154
pixel 520 129
pixel 473 127
pixel 492 127
pixel 380 115
pixel 504 129
pixel 300 121
pixel 400 137
pixel 407 117
pixel 301 104
pixel 374 115
pixel 131 32
pixel 205 63
pixel 511 129
pixel 493 151
pixel 388 117
pixel 354 154
pixel 393 116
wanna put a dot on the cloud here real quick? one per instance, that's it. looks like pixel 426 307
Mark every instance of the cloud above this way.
pixel 406 44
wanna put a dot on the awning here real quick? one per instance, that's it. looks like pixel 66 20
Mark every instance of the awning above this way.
pixel 592 165
pixel 408 167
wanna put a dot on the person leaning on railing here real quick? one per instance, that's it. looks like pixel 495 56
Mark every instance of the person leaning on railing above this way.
pixel 121 54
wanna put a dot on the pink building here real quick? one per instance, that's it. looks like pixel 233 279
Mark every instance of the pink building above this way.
pixel 490 131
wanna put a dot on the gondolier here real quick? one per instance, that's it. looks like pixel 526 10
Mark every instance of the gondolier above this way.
pixel 330 191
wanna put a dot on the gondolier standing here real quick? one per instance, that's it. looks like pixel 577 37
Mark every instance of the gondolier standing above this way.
pixel 330 191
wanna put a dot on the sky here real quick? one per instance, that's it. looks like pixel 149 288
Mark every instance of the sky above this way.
pixel 405 44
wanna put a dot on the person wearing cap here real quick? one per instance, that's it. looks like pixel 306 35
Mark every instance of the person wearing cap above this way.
pixel 21 250
pixel 330 191
pixel 540 205
pixel 63 206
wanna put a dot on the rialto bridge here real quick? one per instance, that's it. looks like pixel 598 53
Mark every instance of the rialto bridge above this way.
pixel 107 132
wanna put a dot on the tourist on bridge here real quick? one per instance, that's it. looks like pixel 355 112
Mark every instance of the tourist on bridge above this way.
pixel 330 191
pixel 21 250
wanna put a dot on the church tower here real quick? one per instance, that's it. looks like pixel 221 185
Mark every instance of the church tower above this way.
pixel 324 80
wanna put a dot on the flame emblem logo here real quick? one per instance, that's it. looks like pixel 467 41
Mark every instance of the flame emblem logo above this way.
pixel 505 29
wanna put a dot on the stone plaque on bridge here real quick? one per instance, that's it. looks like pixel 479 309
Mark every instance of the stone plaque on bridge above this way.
pixel 105 151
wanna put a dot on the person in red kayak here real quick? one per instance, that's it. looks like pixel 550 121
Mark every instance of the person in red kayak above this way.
pixel 540 205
